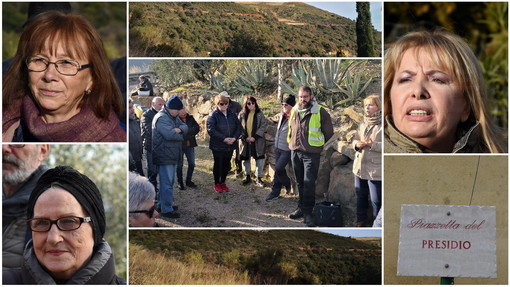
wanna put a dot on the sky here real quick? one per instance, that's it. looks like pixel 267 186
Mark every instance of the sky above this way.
pixel 348 10
pixel 355 232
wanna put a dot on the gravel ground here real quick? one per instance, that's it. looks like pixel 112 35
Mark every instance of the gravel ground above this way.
pixel 243 206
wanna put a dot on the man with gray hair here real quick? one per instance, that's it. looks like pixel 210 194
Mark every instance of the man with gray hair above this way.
pixel 146 123
pixel 21 168
pixel 142 208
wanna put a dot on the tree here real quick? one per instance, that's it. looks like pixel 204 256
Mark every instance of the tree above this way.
pixel 364 31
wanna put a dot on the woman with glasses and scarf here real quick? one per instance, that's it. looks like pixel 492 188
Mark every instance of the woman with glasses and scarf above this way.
pixel 66 215
pixel 142 209
pixel 253 143
pixel 60 86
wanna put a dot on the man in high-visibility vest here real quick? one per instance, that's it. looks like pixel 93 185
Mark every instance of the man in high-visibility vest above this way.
pixel 310 127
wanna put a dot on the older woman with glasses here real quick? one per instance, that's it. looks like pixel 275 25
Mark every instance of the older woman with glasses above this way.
pixel 66 215
pixel 142 210
pixel 224 128
pixel 60 86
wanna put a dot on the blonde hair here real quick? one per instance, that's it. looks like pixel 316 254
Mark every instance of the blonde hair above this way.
pixel 449 52
pixel 374 99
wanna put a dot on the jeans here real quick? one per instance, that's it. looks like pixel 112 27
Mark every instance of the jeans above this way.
pixel 221 165
pixel 190 156
pixel 281 179
pixel 363 188
pixel 306 169
pixel 166 193
pixel 259 163
pixel 152 171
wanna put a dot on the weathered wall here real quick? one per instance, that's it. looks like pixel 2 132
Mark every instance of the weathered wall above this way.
pixel 444 180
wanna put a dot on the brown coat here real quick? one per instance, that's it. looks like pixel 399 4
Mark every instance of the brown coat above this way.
pixel 299 129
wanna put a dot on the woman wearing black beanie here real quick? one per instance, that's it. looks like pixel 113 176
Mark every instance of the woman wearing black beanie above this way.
pixel 66 215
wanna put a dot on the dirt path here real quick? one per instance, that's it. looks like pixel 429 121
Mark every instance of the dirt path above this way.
pixel 243 206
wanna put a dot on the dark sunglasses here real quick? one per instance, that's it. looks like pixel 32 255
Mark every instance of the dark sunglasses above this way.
pixel 250 103
pixel 150 212
pixel 285 104
pixel 222 104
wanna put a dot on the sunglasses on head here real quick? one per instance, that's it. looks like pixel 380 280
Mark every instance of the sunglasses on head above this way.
pixel 222 104
pixel 150 212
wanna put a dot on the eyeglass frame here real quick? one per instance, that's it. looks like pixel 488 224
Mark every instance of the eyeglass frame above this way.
pixel 81 219
pixel 78 66
pixel 250 103
pixel 149 212
pixel 223 104
pixel 16 145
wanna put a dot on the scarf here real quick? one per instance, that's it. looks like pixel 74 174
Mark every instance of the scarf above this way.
pixel 249 123
pixel 82 127
pixel 375 119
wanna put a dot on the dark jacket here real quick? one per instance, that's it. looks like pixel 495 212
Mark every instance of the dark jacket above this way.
pixel 193 129
pixel 220 127
pixel 15 233
pixel 166 142
pixel 135 143
pixel 235 107
pixel 257 149
pixel 100 270
pixel 146 85
pixel 299 129
pixel 146 123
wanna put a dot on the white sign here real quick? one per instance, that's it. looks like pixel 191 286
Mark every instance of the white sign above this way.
pixel 447 241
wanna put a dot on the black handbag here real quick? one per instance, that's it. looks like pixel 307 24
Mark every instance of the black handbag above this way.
pixel 328 214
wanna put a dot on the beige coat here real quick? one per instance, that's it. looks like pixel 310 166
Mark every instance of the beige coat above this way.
pixel 368 160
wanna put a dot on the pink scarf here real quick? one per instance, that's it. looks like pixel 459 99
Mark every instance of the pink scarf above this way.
pixel 83 127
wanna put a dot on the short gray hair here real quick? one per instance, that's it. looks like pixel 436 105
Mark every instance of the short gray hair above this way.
pixel 140 190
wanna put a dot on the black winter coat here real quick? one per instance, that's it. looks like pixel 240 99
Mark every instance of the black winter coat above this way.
pixel 220 127
pixel 193 130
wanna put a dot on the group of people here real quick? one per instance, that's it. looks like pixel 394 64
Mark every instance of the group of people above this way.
pixel 53 222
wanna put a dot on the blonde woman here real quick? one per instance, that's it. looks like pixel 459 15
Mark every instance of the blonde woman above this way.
pixel 435 98
pixel 367 163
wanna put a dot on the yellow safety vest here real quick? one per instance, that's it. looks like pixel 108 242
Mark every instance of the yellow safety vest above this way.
pixel 315 135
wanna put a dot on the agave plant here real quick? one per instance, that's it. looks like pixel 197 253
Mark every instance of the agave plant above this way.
pixel 353 87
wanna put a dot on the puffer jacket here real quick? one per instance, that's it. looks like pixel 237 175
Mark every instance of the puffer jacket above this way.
pixel 100 270
pixel 368 160
pixel 258 131
pixel 220 127
pixel 166 142
pixel 470 140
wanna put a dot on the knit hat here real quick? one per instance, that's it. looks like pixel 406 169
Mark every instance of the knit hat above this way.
pixel 81 187
pixel 290 100
pixel 174 103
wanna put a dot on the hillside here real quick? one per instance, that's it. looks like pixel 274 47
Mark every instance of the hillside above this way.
pixel 317 257
pixel 189 29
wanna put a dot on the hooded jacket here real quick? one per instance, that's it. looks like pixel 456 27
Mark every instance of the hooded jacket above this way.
pixel 100 270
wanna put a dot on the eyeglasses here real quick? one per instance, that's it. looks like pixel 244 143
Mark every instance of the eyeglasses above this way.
pixel 150 212
pixel 250 103
pixel 66 223
pixel 222 104
pixel 64 67
pixel 17 145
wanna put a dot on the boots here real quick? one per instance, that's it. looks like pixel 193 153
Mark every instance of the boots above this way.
pixel 259 182
pixel 181 185
pixel 246 180
pixel 296 214
pixel 309 220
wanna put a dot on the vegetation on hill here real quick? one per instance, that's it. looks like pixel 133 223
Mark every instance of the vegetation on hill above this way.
pixel 266 257
pixel 239 29
pixel 109 18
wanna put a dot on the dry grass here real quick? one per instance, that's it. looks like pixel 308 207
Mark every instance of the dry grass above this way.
pixel 149 268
